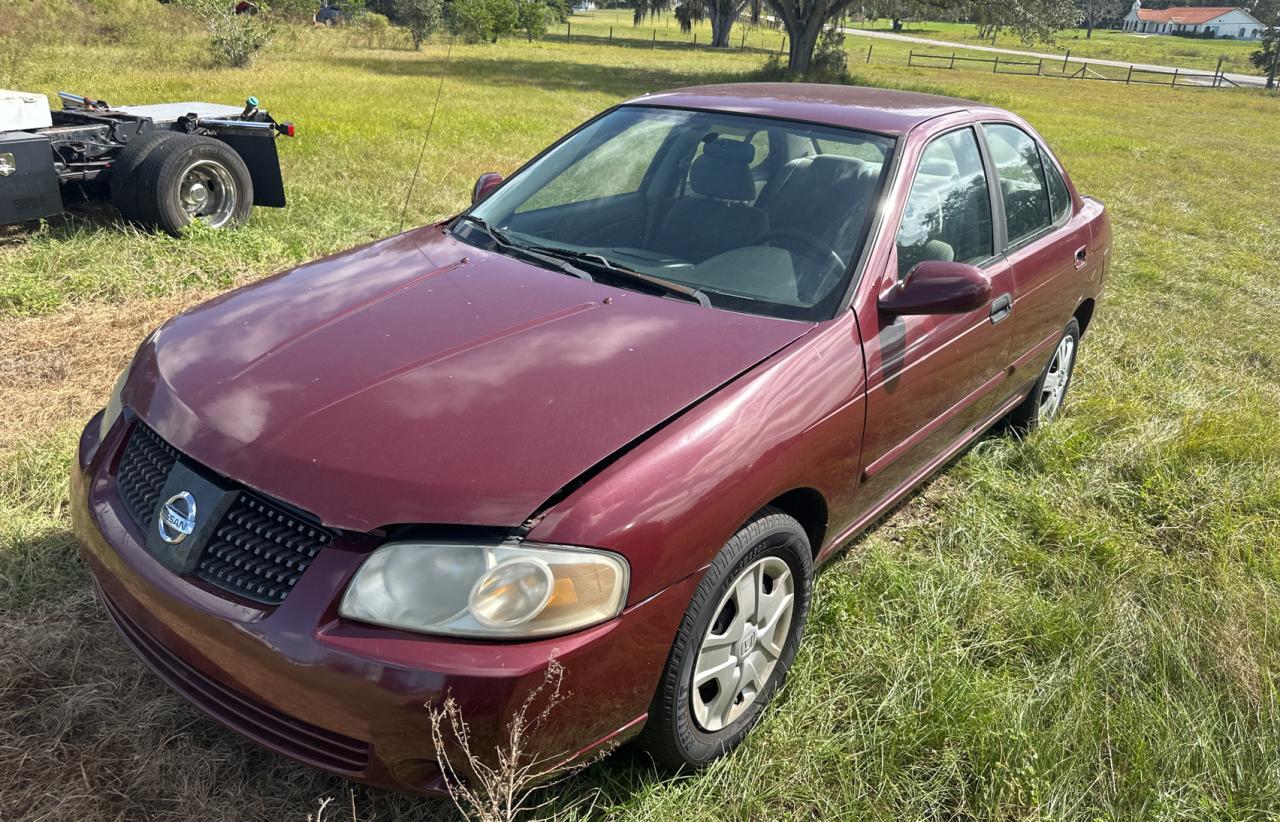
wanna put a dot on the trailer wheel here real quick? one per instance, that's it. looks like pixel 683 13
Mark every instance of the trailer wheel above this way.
pixel 123 178
pixel 194 178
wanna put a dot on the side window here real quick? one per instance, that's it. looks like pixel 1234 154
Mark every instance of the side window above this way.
pixel 761 142
pixel 1059 197
pixel 865 150
pixel 948 211
pixel 1022 185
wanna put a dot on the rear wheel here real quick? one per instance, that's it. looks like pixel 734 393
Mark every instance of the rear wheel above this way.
pixel 1047 395
pixel 735 644
pixel 194 178
pixel 123 179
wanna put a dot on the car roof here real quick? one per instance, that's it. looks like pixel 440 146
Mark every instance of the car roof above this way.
pixel 885 111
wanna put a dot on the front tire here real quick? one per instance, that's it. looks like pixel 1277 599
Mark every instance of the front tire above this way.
pixel 1050 391
pixel 735 645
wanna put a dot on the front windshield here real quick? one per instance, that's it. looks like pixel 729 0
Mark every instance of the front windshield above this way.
pixel 759 215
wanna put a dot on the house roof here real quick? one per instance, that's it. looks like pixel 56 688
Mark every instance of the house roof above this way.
pixel 1189 15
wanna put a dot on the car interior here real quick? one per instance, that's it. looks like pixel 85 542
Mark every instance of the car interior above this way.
pixel 948 210
pixel 758 210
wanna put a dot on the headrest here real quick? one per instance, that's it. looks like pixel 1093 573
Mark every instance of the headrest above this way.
pixel 832 167
pixel 733 150
pixel 938 250
pixel 723 170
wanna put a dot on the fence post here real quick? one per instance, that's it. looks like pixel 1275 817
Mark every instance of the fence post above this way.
pixel 695 38
pixel 1175 76
pixel 868 52
pixel 1217 74
pixel 1065 58
pixel 911 56
pixel 1040 67
pixel 611 35
pixel 744 40
pixel 568 31
pixel 781 43
pixel 995 64
pixel 953 59
pixel 655 38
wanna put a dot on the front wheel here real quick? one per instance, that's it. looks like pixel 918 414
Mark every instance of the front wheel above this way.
pixel 735 644
pixel 1047 395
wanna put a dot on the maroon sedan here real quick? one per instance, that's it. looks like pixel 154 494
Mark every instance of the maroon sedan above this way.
pixel 620 410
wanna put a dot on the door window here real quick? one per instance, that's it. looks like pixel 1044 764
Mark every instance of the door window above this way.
pixel 948 211
pixel 1059 197
pixel 1022 184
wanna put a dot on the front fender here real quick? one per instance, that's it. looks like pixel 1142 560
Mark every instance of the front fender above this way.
pixel 793 421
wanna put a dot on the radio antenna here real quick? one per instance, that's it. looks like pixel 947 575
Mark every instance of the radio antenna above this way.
pixel 427 137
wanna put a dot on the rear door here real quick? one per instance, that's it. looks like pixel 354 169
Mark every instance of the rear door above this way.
pixel 931 378
pixel 1048 241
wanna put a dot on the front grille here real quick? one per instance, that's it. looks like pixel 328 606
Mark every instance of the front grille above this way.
pixel 259 722
pixel 144 467
pixel 258 550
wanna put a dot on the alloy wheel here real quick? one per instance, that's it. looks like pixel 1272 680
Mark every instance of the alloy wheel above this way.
pixel 207 192
pixel 1054 387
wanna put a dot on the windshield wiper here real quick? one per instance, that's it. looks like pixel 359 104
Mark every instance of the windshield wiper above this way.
pixel 501 239
pixel 601 263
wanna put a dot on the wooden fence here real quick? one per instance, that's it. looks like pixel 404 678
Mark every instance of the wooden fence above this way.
pixel 1083 70
pixel 1059 67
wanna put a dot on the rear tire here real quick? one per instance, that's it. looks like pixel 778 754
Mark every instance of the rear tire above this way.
pixel 1050 391
pixel 193 178
pixel 749 649
pixel 123 179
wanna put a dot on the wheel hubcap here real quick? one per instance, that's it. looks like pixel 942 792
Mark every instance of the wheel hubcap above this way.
pixel 743 644
pixel 1055 379
pixel 207 193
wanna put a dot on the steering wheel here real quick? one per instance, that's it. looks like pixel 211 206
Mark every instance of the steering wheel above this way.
pixel 830 265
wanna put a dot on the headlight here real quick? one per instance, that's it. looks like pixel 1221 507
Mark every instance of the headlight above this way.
pixel 495 591
pixel 112 411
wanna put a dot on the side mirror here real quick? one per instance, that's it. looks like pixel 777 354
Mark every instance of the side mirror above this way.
pixel 938 287
pixel 485 185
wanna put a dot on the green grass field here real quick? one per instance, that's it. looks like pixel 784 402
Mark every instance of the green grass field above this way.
pixel 1083 625
pixel 1183 52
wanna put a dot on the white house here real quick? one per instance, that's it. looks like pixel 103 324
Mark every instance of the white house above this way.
pixel 1220 21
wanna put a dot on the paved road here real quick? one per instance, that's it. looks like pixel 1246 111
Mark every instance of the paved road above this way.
pixel 1239 79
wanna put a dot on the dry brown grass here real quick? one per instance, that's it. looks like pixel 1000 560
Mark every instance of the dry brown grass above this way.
pixel 61 367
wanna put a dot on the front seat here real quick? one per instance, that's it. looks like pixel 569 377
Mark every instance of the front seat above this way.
pixel 719 219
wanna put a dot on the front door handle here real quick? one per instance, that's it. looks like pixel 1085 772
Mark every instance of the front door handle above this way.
pixel 1082 256
pixel 1001 307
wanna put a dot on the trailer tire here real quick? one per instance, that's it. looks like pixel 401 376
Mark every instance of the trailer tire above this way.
pixel 123 179
pixel 193 177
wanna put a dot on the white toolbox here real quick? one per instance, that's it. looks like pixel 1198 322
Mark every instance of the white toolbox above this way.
pixel 23 111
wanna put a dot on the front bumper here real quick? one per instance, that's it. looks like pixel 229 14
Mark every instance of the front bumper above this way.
pixel 345 697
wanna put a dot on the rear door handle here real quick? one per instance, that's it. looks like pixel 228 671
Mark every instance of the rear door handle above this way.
pixel 1001 307
pixel 1082 256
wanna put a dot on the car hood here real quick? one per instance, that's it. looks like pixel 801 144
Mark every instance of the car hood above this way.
pixel 422 380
